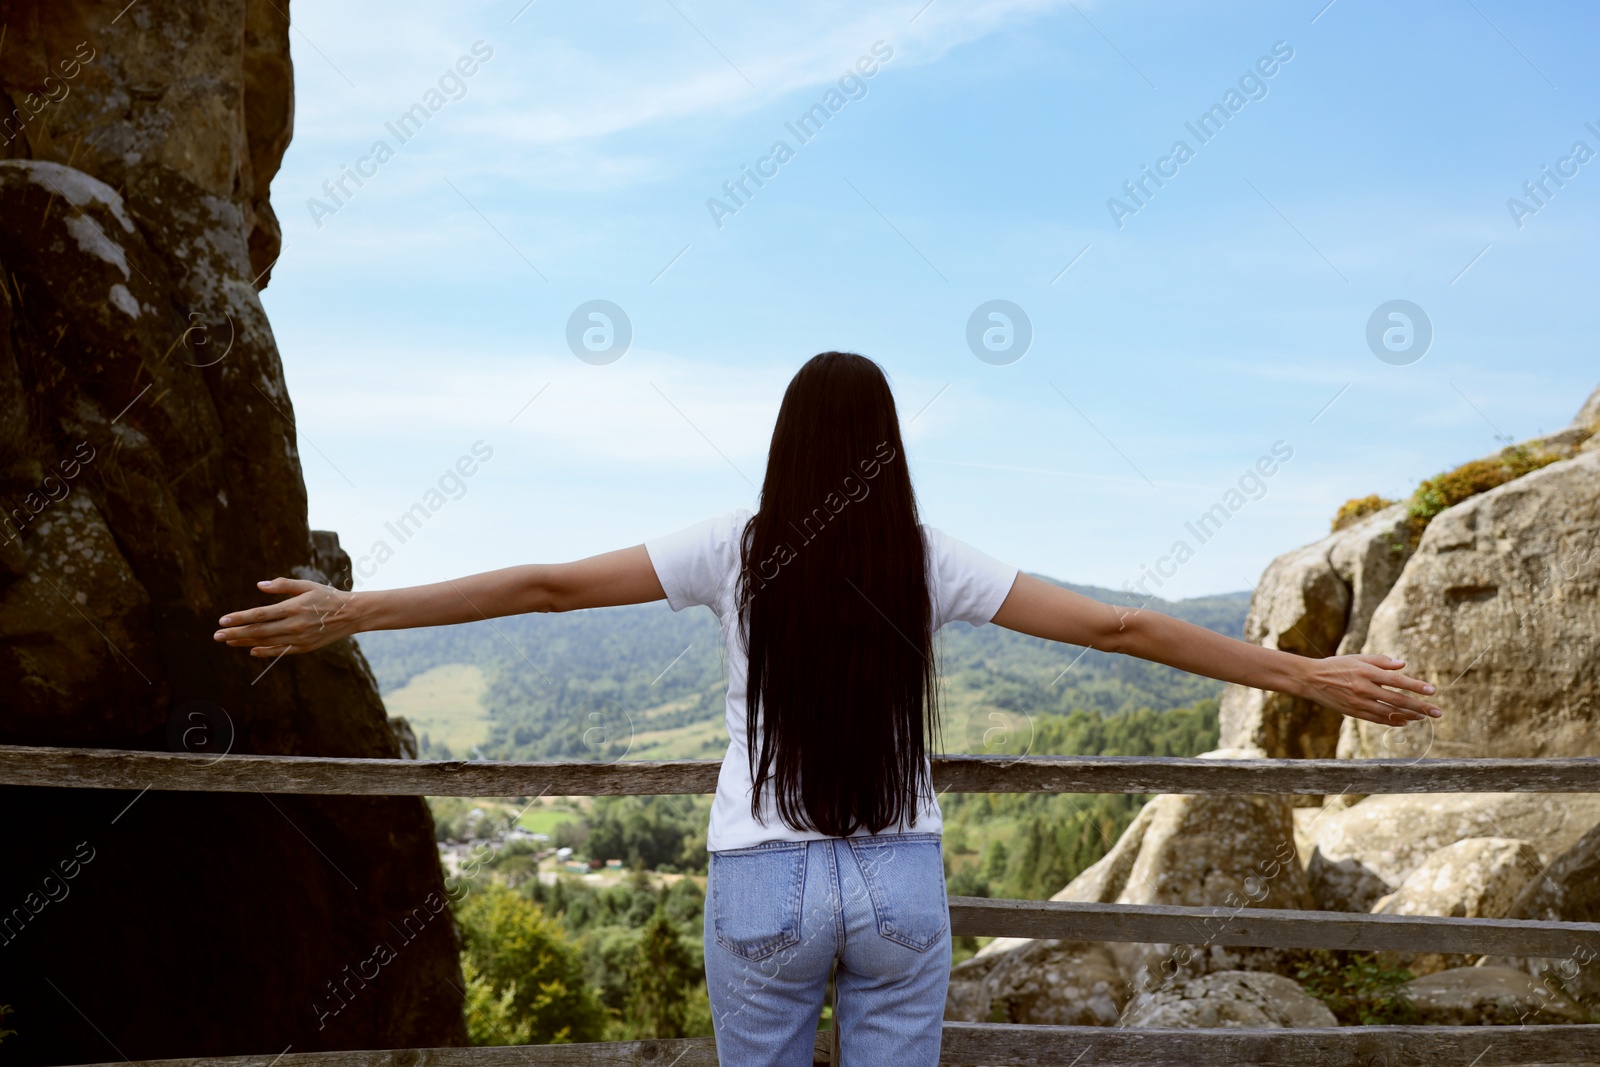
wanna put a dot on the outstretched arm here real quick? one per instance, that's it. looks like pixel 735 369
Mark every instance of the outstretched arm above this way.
pixel 316 615
pixel 1366 687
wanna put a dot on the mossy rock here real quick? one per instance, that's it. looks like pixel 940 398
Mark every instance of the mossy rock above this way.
pixel 1355 509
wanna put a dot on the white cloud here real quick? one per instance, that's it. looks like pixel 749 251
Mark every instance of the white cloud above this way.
pixel 563 83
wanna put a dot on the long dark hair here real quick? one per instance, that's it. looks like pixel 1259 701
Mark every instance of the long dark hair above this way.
pixel 833 597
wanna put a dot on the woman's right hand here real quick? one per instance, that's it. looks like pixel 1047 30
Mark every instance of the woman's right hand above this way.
pixel 1368 687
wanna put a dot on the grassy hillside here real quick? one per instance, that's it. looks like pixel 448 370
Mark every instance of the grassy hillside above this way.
pixel 644 682
pixel 444 704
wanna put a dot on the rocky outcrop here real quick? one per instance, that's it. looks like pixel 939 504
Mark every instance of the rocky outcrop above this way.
pixel 1366 851
pixel 1049 982
pixel 202 103
pixel 1101 883
pixel 1315 601
pixel 1500 608
pixel 1026 980
pixel 1588 417
pixel 1230 999
pixel 1214 849
pixel 1488 996
pixel 1198 850
pixel 1225 852
pixel 149 477
pixel 1478 877
pixel 1568 890
pixel 1526 549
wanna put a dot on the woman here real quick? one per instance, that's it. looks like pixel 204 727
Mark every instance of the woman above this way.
pixel 824 833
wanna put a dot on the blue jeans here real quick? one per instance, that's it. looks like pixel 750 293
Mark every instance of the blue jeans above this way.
pixel 779 914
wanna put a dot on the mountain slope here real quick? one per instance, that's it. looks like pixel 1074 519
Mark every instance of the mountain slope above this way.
pixel 644 682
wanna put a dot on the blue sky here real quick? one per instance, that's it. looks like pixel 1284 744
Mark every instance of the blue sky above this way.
pixel 1226 314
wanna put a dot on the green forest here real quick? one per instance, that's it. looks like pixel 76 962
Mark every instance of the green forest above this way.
pixel 571 961
pixel 550 955
pixel 645 682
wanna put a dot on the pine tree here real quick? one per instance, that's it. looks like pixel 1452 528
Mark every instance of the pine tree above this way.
pixel 662 979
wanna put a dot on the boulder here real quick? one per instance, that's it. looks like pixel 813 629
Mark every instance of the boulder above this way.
pixel 1315 601
pixel 1212 849
pixel 150 475
pixel 1101 883
pixel 1229 999
pixel 1568 890
pixel 1365 851
pixel 1306 823
pixel 1498 582
pixel 1225 852
pixel 1059 983
pixel 1104 881
pixel 1500 608
pixel 1478 877
pixel 1488 996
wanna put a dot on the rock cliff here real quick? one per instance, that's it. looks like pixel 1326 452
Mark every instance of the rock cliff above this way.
pixel 1500 608
pixel 1194 850
pixel 149 476
pixel 1315 601
pixel 1487 582
pixel 1497 603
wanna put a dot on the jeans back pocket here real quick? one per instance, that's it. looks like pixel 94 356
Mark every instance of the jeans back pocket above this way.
pixel 905 880
pixel 756 898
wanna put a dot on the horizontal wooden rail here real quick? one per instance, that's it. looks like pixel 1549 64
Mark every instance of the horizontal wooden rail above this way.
pixel 1035 1046
pixel 968 1043
pixel 1268 928
pixel 96 768
pixel 1392 1046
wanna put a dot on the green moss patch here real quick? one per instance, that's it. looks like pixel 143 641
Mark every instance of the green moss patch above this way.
pixel 1448 489
pixel 1355 509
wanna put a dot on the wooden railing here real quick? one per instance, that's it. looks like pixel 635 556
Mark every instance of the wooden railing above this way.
pixel 975 1043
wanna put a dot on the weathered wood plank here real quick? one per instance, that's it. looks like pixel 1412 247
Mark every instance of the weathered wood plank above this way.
pixel 676 1052
pixel 1390 1046
pixel 1267 928
pixel 1037 1046
pixel 1128 774
pixel 118 769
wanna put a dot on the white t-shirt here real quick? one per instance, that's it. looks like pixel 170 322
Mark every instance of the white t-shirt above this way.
pixel 700 565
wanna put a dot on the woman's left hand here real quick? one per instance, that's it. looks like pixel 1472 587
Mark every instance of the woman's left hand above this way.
pixel 1368 687
pixel 313 616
